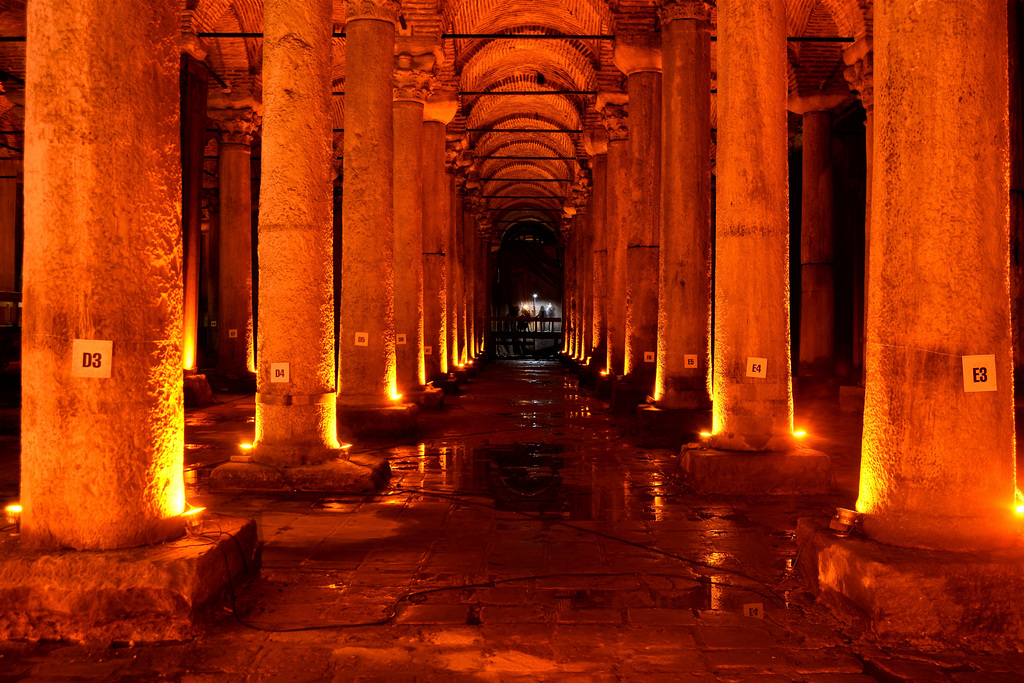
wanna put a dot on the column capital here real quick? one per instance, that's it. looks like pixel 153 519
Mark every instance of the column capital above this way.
pixel 614 110
pixel 595 141
pixel 441 106
pixel 819 100
pixel 415 71
pixel 860 70
pixel 236 126
pixel 380 10
pixel 637 52
pixel 680 10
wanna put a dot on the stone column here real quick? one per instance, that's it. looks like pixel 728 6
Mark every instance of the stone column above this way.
pixel 639 57
pixel 596 143
pixel 586 283
pixel 194 77
pixel 752 393
pixel 413 73
pixel 103 423
pixel 613 109
pixel 939 293
pixel 817 286
pixel 462 273
pixel 469 277
pixel 860 75
pixel 9 169
pixel 569 289
pixel 295 401
pixel 456 194
pixel 437 113
pixel 684 313
pixel 234 314
pixel 483 284
pixel 367 365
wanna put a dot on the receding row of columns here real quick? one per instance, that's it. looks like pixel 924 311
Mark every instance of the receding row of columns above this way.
pixel 936 278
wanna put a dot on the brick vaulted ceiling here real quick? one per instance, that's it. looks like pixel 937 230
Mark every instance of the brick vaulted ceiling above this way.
pixel 579 63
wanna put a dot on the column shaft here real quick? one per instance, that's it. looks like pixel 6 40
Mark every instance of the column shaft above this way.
pixel 8 204
pixel 101 458
pixel 469 272
pixel 408 202
pixel 296 419
pixel 618 174
pixel 435 243
pixel 752 392
pixel 684 312
pixel 598 225
pixel 644 224
pixel 465 229
pixel 939 286
pixel 817 289
pixel 455 214
pixel 367 364
pixel 234 317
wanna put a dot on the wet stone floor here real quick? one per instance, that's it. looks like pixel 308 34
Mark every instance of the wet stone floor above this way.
pixel 525 537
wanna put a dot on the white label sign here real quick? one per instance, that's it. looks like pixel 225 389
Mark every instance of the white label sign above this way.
pixel 362 339
pixel 279 372
pixel 399 338
pixel 428 350
pixel 232 334
pixel 757 367
pixel 90 358
pixel 213 323
pixel 648 356
pixel 690 361
pixel 980 373
pixel 754 609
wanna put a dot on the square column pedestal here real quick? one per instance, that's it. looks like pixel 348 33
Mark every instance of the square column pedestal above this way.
pixel 798 472
pixel 146 594
pixel 670 428
pixel 627 395
pixel 430 397
pixel 372 421
pixel 358 473
pixel 923 597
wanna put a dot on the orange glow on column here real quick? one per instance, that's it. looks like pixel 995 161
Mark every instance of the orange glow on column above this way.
pixel 188 349
pixel 250 347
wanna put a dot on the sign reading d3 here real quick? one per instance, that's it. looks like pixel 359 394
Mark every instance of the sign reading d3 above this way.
pixel 91 358
pixel 980 373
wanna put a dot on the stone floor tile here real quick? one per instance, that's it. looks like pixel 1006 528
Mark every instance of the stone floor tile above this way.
pixel 433 614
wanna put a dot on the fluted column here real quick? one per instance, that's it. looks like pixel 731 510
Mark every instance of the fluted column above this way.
pixel 596 142
pixel 295 401
pixel 438 111
pixel 414 65
pixel 103 425
pixel 639 57
pixel 684 313
pixel 234 316
pixel 939 357
pixel 614 112
pixel 752 393
pixel 367 373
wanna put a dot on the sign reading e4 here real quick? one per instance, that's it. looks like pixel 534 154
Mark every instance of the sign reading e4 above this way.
pixel 91 358
pixel 980 373
pixel 757 367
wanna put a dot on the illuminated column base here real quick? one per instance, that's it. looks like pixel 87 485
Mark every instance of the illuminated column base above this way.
pixel 798 471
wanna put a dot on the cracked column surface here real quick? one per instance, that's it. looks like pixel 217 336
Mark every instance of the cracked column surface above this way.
pixel 101 459
pixel 366 376
pixel 438 111
pixel 639 57
pixel 296 419
pixel 413 72
pixel 937 467
pixel 596 141
pixel 614 112
pixel 684 306
pixel 752 413
pixel 234 317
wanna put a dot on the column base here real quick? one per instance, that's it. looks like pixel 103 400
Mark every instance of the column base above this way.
pixel 197 391
pixel 361 472
pixel 627 395
pixel 147 594
pixel 464 374
pixel 796 472
pixel 668 427
pixel 923 597
pixel 587 376
pixel 427 397
pixel 388 420
pixel 603 386
pixel 851 399
pixel 451 385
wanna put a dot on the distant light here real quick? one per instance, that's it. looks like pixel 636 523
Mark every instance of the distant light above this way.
pixel 800 433
pixel 705 435
pixel 534 296
pixel 245 446
pixel 395 396
pixel 13 508
pixel 604 373
pixel 345 446
pixel 1020 509
pixel 194 518
pixel 13 512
